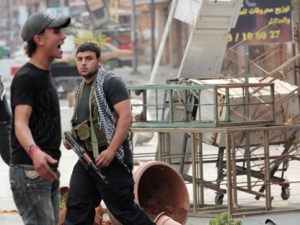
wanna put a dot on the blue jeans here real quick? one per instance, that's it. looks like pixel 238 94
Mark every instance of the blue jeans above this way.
pixel 5 130
pixel 37 200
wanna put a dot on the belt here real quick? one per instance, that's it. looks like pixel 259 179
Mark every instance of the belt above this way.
pixel 54 168
pixel 5 122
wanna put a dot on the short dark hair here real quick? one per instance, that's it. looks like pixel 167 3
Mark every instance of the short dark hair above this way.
pixel 89 46
pixel 30 48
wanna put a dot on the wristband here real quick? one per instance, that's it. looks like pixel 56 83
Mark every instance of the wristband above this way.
pixel 32 149
pixel 30 146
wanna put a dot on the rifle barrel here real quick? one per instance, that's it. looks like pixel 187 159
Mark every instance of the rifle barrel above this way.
pixel 82 154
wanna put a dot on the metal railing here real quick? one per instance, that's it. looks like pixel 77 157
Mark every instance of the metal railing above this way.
pixel 209 105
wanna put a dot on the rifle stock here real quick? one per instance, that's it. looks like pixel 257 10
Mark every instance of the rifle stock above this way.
pixel 82 155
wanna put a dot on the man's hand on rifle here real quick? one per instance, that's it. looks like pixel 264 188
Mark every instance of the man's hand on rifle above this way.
pixel 70 142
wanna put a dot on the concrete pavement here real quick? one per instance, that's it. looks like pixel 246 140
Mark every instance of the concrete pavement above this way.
pixel 8 216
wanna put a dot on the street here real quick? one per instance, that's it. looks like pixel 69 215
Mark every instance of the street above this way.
pixel 69 158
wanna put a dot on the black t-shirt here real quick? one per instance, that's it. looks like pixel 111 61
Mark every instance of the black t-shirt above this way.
pixel 82 109
pixel 115 91
pixel 33 86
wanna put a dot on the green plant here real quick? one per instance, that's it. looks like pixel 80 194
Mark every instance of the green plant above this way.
pixel 293 3
pixel 224 219
pixel 64 192
pixel 63 200
pixel 90 36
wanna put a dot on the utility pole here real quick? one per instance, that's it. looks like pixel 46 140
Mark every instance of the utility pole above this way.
pixel 298 11
pixel 134 39
pixel 152 33
pixel 62 6
pixel 11 24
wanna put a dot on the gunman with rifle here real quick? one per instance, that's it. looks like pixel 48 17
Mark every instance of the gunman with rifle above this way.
pixel 100 124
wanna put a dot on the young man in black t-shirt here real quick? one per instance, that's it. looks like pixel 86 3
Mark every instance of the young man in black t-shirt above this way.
pixel 36 130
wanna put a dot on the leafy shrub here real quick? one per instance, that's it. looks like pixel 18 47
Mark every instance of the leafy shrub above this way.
pixel 224 219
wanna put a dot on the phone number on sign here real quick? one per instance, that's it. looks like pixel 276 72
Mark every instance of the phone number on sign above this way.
pixel 249 36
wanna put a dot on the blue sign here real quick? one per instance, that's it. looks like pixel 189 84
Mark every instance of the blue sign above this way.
pixel 255 15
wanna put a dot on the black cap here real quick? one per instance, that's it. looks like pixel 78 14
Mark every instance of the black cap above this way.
pixel 39 21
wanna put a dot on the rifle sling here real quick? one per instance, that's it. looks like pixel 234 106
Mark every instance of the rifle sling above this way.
pixel 93 135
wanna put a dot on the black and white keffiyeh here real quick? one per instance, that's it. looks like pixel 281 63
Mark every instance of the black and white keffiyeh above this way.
pixel 106 120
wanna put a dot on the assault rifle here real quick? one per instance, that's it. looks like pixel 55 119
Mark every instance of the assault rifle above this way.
pixel 82 154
